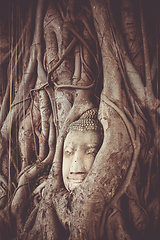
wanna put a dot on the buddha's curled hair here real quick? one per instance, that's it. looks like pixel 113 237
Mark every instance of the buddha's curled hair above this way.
pixel 87 121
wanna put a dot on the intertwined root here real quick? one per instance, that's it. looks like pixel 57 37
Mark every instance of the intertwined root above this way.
pixel 59 55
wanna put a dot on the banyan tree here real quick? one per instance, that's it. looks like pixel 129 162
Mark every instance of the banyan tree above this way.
pixel 72 72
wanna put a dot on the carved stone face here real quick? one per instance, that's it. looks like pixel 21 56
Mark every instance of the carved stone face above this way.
pixel 80 149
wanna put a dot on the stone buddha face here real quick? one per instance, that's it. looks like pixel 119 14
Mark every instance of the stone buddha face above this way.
pixel 80 148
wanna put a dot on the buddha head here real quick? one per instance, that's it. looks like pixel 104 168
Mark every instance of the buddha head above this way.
pixel 83 140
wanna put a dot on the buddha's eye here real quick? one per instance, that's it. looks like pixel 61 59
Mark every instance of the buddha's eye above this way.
pixel 91 151
pixel 68 152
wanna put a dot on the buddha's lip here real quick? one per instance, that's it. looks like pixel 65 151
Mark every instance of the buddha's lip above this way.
pixel 77 179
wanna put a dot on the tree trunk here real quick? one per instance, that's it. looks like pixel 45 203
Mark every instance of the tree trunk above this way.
pixel 60 60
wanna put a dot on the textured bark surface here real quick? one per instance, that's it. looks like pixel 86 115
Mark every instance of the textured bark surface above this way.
pixel 59 59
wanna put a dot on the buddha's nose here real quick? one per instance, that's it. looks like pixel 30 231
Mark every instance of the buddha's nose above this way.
pixel 77 165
